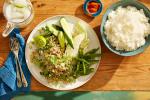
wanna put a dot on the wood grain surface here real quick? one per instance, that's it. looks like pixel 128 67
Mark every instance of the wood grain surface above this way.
pixel 114 72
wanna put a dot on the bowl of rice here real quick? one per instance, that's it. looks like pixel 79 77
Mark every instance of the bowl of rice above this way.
pixel 125 28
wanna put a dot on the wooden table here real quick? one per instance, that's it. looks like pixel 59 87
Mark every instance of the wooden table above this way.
pixel 114 72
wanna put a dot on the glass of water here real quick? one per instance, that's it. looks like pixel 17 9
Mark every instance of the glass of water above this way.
pixel 18 13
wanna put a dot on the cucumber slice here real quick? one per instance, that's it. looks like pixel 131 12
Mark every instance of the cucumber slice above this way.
pixel 67 31
pixel 61 39
pixel 53 30
pixel 19 5
pixel 80 29
pixel 40 41
pixel 73 52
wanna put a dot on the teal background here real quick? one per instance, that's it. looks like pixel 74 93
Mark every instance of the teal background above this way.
pixel 101 95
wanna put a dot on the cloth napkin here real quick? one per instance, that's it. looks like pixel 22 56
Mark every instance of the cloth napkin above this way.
pixel 8 85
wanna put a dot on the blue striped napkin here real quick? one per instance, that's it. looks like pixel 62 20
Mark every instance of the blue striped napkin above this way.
pixel 8 86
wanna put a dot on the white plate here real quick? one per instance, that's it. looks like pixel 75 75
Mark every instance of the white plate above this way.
pixel 35 70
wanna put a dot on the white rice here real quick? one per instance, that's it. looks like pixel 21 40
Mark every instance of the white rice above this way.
pixel 126 28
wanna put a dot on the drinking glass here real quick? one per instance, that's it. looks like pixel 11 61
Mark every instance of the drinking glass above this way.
pixel 11 24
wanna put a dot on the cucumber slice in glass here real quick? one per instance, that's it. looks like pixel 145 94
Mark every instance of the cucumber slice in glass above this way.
pixel 19 5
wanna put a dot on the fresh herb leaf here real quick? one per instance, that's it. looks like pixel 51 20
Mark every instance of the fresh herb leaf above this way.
pixel 53 59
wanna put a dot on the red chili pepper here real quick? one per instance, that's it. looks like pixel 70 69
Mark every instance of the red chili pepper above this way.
pixel 98 6
pixel 93 7
pixel 93 10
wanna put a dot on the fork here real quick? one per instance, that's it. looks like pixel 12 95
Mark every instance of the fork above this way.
pixel 20 76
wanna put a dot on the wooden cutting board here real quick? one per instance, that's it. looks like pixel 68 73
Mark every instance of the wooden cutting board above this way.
pixel 114 72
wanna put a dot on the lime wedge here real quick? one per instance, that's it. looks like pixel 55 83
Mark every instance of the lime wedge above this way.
pixel 40 41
